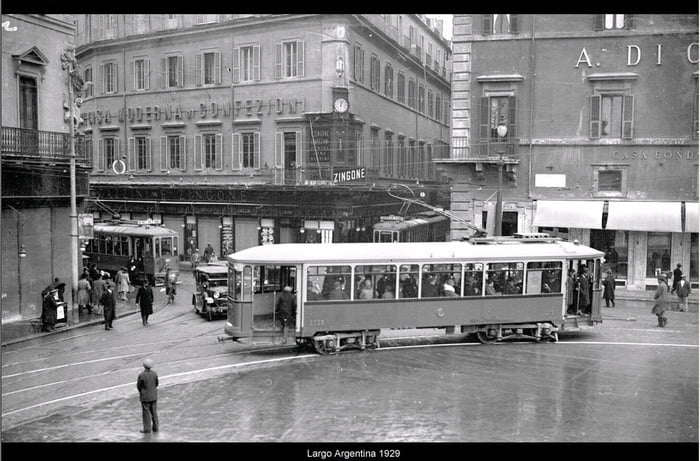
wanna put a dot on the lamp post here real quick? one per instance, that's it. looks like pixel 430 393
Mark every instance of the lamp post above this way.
pixel 502 131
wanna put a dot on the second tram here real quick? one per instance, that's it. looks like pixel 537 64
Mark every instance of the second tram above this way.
pixel 495 288
pixel 427 226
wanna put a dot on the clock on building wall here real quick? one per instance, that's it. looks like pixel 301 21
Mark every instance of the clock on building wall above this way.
pixel 340 104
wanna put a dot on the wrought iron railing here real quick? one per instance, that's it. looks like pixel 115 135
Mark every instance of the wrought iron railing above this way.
pixel 461 149
pixel 42 145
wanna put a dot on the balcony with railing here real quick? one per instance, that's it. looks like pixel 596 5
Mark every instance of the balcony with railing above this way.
pixel 481 151
pixel 41 146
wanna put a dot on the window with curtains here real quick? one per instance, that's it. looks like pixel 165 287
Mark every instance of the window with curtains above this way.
pixel 208 151
pixel 176 152
pixel 109 77
pixel 141 74
pixel 249 149
pixel 110 151
pixel 172 71
pixel 612 21
pixel 289 59
pixel 246 150
pixel 246 63
pixel 499 24
pixel 142 153
pixel 612 116
pixel 208 68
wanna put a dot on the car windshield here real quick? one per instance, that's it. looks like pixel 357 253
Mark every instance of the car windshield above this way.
pixel 217 282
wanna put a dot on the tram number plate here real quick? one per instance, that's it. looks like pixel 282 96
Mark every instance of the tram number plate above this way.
pixel 316 323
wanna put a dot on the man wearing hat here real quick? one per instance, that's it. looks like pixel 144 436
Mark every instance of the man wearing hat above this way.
pixel 49 308
pixel 683 290
pixel 147 384
pixel 661 300
pixel 285 309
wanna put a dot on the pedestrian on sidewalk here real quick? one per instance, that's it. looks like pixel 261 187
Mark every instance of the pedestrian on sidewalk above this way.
pixel 194 260
pixel 123 283
pixel 144 298
pixel 170 288
pixel 49 309
pixel 661 300
pixel 683 291
pixel 147 384
pixel 609 290
pixel 677 273
pixel 84 289
pixel 108 304
pixel 98 288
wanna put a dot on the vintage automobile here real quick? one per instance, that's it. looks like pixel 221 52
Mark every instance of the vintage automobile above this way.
pixel 211 287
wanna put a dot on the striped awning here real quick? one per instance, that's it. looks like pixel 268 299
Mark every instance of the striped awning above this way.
pixel 691 217
pixel 644 216
pixel 569 213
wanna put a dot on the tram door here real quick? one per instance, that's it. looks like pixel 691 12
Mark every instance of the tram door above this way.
pixel 587 287
pixel 268 283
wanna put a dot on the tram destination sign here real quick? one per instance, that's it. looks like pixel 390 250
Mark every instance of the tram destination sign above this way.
pixel 349 175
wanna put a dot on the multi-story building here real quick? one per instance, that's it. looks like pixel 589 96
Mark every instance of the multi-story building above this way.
pixel 591 124
pixel 239 130
pixel 36 161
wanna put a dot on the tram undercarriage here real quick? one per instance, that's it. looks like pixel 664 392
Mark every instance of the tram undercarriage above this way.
pixel 330 343
pixel 487 334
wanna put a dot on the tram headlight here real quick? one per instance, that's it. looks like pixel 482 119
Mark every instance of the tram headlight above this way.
pixel 216 295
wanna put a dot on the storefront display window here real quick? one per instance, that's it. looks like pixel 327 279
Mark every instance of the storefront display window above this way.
pixel 658 253
pixel 615 245
pixel 693 269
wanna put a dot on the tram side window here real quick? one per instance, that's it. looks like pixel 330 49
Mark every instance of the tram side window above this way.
pixel 473 279
pixel 373 282
pixel 543 277
pixel 504 278
pixel 166 246
pixel 443 280
pixel 408 281
pixel 148 247
pixel 157 248
pixel 333 282
pixel 234 283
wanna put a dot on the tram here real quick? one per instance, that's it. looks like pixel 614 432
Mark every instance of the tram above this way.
pixel 148 249
pixel 427 226
pixel 496 288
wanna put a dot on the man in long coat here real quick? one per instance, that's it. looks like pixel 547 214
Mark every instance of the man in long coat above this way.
pixel 144 298
pixel 108 304
pixel 147 384
pixel 48 310
pixel 661 298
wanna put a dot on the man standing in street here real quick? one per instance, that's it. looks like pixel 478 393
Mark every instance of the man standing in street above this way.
pixel 286 310
pixel 677 272
pixel 144 298
pixel 108 304
pixel 147 384
pixel 683 291
pixel 661 301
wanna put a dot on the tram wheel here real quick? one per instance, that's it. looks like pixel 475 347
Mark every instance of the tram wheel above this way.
pixel 324 347
pixel 484 338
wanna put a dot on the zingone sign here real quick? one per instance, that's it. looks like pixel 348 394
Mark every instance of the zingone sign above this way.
pixel 349 175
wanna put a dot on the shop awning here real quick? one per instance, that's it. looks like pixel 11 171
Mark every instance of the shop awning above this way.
pixel 569 213
pixel 645 216
pixel 691 217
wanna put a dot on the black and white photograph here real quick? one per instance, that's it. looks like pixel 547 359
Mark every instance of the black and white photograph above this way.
pixel 333 236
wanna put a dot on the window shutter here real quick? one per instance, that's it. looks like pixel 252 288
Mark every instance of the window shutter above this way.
pixel 100 155
pixel 627 117
pixel 147 77
pixel 278 60
pixel 102 74
pixel 130 160
pixel 217 67
pixel 512 117
pixel 514 24
pixel 218 157
pixel 198 69
pixel 256 63
pixel 236 149
pixel 181 71
pixel 595 117
pixel 484 125
pixel 163 72
pixel 598 22
pixel 300 58
pixel 198 149
pixel 163 153
pixel 149 144
pixel 116 78
pixel 256 140
pixel 236 66
pixel 183 158
pixel 279 149
pixel 132 71
pixel 486 24
pixel 300 146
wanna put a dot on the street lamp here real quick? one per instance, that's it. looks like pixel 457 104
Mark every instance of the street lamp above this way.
pixel 502 131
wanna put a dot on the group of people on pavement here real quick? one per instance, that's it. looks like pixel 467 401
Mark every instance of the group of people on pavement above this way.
pixel 662 297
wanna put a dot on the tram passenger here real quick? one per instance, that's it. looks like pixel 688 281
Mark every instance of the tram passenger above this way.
pixel 448 288
pixel 382 284
pixel 470 285
pixel 337 292
pixel 388 293
pixel 571 292
pixel 584 287
pixel 313 292
pixel 490 288
pixel 366 290
pixel 285 309
pixel 409 287
pixel 430 289
pixel 510 287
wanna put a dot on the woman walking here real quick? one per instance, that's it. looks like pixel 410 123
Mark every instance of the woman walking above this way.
pixel 123 283
pixel 661 301
pixel 84 289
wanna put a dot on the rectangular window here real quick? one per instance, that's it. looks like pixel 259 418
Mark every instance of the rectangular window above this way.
pixel 250 63
pixel 389 81
pixel 109 77
pixel 543 277
pixel 693 269
pixel 658 253
pixel 374 73
pixel 143 153
pixel 375 282
pixel 401 88
pixel 613 21
pixel 176 153
pixel 141 74
pixel 438 107
pixel 499 24
pixel 473 279
pixel 441 280
pixel 210 151
pixel 612 116
pixel 88 78
pixel 110 151
pixel 290 59
pixel 211 68
pixel 615 245
pixel 374 139
pixel 504 278
pixel 408 281
pixel 389 155
pixel 359 64
pixel 412 93
pixel 249 150
pixel 401 157
pixel 172 71
pixel 430 104
pixel 334 282
pixel 421 99
pixel 610 181
pixel 28 107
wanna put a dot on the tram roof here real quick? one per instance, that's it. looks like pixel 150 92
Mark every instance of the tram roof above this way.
pixel 337 253
pixel 140 230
